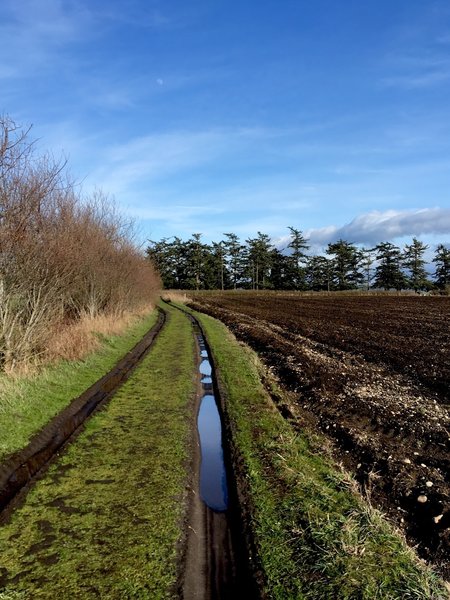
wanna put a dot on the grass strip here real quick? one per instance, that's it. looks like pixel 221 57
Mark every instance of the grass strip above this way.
pixel 316 538
pixel 28 403
pixel 105 520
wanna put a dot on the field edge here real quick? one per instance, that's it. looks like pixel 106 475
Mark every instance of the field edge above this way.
pixel 313 535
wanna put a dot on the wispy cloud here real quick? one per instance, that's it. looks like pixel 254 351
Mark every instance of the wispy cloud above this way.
pixel 153 158
pixel 416 70
pixel 33 31
pixel 135 15
pixel 420 80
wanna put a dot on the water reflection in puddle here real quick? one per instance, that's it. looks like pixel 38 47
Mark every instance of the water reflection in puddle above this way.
pixel 205 367
pixel 213 480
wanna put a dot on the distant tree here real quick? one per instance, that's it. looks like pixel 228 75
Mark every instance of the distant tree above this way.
pixel 298 244
pixel 442 262
pixel 235 258
pixel 388 273
pixel 164 255
pixel 346 259
pixel 414 262
pixel 319 273
pixel 195 260
pixel 367 259
pixel 279 277
pixel 217 266
pixel 259 259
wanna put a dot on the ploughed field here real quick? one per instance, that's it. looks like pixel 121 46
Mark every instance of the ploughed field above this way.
pixel 373 374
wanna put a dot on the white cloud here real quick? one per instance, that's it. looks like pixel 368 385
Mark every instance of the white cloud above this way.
pixel 374 227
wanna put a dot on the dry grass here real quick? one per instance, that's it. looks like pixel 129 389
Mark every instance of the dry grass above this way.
pixel 74 341
pixel 176 296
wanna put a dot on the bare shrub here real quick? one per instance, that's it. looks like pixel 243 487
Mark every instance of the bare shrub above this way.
pixel 62 257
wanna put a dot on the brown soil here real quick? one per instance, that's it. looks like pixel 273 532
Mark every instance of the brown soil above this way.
pixel 372 373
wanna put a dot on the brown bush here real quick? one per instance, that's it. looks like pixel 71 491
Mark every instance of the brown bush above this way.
pixel 62 256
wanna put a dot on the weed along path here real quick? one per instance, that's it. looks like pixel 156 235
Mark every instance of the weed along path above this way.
pixel 106 520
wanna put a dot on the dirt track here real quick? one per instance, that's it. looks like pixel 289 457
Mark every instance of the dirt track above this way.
pixel 373 374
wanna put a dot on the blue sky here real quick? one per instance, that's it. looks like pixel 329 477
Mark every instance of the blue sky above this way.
pixel 331 116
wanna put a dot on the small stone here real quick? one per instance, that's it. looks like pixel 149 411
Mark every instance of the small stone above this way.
pixel 422 499
pixel 422 465
pixel 437 519
pixel 407 461
pixel 429 484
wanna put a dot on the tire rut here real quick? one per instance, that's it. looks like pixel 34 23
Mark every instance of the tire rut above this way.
pixel 21 469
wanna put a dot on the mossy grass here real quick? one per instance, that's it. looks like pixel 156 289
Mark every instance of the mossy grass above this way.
pixel 28 403
pixel 316 537
pixel 106 519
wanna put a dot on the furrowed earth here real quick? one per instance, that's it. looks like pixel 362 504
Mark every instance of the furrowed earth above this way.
pixel 372 373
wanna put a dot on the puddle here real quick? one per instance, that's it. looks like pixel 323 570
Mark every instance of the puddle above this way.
pixel 213 479
pixel 205 367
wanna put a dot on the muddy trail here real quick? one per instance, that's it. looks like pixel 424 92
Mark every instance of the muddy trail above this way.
pixel 19 471
pixel 216 563
pixel 389 423
pixel 212 556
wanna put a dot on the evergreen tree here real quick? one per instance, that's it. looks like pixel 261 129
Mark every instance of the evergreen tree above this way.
pixel 414 262
pixel 346 258
pixel 195 260
pixel 298 244
pixel 319 273
pixel 218 267
pixel 235 258
pixel 367 259
pixel 388 273
pixel 280 270
pixel 259 260
pixel 442 261
pixel 169 257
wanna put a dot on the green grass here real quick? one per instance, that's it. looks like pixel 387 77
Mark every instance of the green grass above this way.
pixel 316 538
pixel 105 521
pixel 28 403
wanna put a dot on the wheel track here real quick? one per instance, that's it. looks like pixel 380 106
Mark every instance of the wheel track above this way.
pixel 21 469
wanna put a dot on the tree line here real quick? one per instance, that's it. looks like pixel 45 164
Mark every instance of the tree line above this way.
pixel 63 256
pixel 258 264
